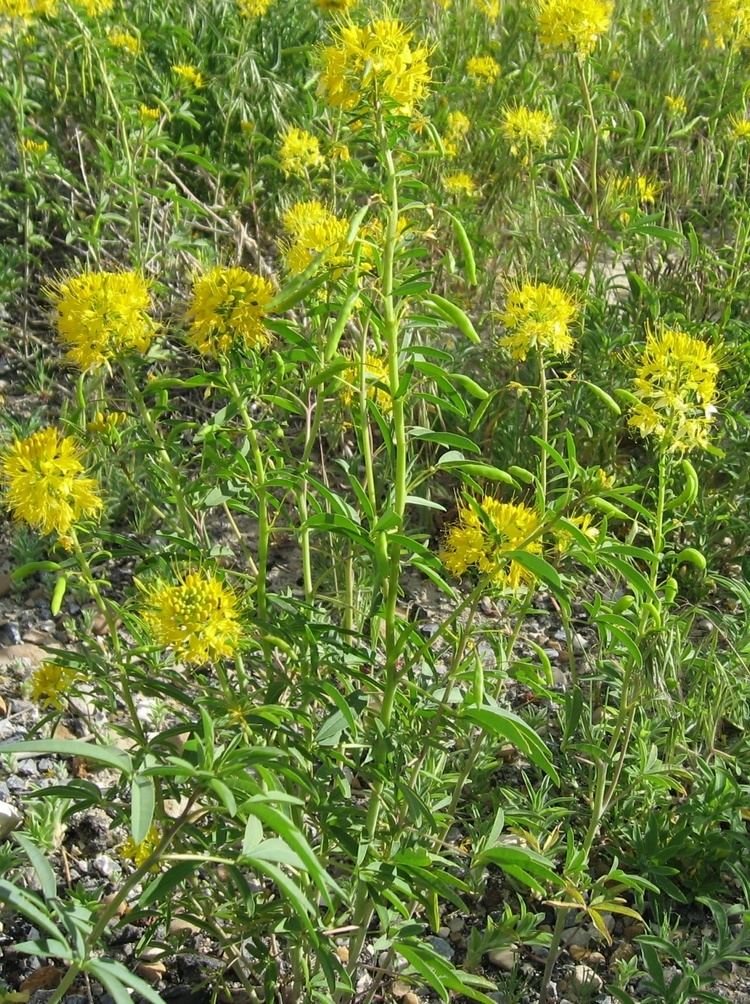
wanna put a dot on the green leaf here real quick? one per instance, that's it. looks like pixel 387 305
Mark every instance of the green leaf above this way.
pixel 163 885
pixel 538 567
pixel 39 863
pixel 113 974
pixel 451 440
pixel 143 800
pixel 507 725
pixel 522 864
pixel 30 907
pixel 109 756
pixel 297 899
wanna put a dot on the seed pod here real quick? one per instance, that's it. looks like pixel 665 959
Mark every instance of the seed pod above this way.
pixel 693 557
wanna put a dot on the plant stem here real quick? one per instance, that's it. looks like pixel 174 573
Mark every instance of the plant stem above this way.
pixel 544 405
pixel 554 951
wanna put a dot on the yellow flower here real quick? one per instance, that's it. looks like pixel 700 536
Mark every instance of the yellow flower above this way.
pixel 313 230
pixel 458 125
pixel 376 61
pixel 101 315
pixel 26 10
pixel 45 482
pixel 460 184
pixel 635 190
pixel 676 105
pixel 340 151
pixel 573 24
pixel 585 523
pixel 739 128
pixel 540 316
pixel 491 8
pixel 49 685
pixel 124 40
pixel 675 383
pixel 227 309
pixel 525 129
pixel 140 853
pixel 198 618
pixel 484 534
pixel 729 22
pixel 299 151
pixel 96 7
pixel 335 6
pixel 36 148
pixel 375 373
pixel 149 114
pixel 104 424
pixel 483 68
pixel 189 75
pixel 254 8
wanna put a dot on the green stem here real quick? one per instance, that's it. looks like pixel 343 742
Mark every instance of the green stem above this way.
pixel 554 951
pixel 661 494
pixel 544 405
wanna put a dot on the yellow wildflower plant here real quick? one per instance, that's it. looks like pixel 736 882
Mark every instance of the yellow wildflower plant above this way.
pixel 675 383
pixel 35 147
pixel 198 618
pixel 46 484
pixel 575 25
pixel 484 534
pixel 102 315
pixel 105 423
pixel 227 309
pixel 460 183
pixel 538 316
pixel 335 6
pixel 675 105
pixel 26 10
pixel 729 22
pixel 299 151
pixel 189 74
pixel 50 684
pixel 490 8
pixel 483 68
pixel 637 190
pixel 139 854
pixel 376 61
pixel 375 372
pixel 739 128
pixel 254 8
pixel 149 114
pixel 313 230
pixel 96 7
pixel 526 129
pixel 125 41
pixel 458 125
pixel 564 540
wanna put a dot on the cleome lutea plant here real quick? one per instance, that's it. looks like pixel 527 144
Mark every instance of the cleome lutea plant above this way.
pixel 329 777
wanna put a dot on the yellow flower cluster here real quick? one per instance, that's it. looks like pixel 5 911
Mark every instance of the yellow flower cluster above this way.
pixel 483 68
pixel 676 105
pixel 189 75
pixel 49 685
pixel 253 8
pixel 124 40
pixel 26 10
pixel 375 63
pixel 198 618
pixel 335 6
pixel 739 128
pixel 490 8
pixel 140 853
pixel 636 190
pixel 313 230
pixel 299 151
pixel 675 383
pixel 729 22
pixel 101 315
pixel 35 147
pixel 96 7
pixel 105 423
pixel 538 315
pixel 575 25
pixel 526 129
pixel 374 369
pixel 149 114
pixel 460 184
pixel 227 309
pixel 484 534
pixel 45 482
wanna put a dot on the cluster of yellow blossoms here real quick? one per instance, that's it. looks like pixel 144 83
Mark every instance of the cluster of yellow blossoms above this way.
pixel 299 152
pixel 374 372
pixel 189 75
pixel 227 309
pixel 313 230
pixel 675 383
pixel 101 315
pixel 139 854
pixel 45 482
pixel 50 684
pixel 29 10
pixel 198 618
pixel 460 183
pixel 526 129
pixel 538 316
pixel 483 536
pixel 575 25
pixel 375 64
pixel 729 22
pixel 483 68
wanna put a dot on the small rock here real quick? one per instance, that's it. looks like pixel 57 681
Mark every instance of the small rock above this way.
pixel 584 978
pixel 179 925
pixel 633 929
pixel 45 978
pixel 6 583
pixel 153 953
pixel 504 958
pixel 576 936
pixel 343 953
pixel 151 972
pixel 456 924
pixel 410 998
pixel 105 865
pixel 10 819
pixel 29 655
pixel 10 633
pixel 443 932
pixel 441 947
pixel 400 989
pixel 623 952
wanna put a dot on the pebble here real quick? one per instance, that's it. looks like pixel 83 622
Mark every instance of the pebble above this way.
pixel 584 978
pixel 576 936
pixel 23 652
pixel 10 819
pixel 105 865
pixel 410 998
pixel 503 958
pixel 10 633
pixel 441 947
pixel 456 924
pixel 6 583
